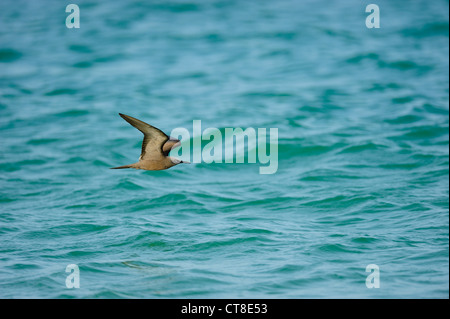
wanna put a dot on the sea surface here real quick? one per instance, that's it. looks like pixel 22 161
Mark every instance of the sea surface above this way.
pixel 363 159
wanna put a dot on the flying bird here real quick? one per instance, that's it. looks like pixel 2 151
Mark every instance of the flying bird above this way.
pixel 155 147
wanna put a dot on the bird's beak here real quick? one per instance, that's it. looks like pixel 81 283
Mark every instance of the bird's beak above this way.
pixel 185 162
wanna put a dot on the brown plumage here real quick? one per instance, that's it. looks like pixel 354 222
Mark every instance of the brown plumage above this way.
pixel 155 147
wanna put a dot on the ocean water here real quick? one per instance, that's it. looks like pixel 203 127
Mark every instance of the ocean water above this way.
pixel 363 159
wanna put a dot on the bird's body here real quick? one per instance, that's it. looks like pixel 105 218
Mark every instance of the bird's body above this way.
pixel 155 147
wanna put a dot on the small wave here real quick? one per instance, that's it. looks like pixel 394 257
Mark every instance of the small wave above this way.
pixel 297 147
pixel 434 109
pixel 400 65
pixel 130 185
pixel 231 242
pixel 362 147
pixel 428 30
pixel 258 231
pixel 170 199
pixel 9 55
pixel 7 200
pixel 404 119
pixel 65 230
pixel 335 248
pixel 403 99
pixel 401 166
pixel 403 65
pixel 327 175
pixel 381 87
pixel 361 57
pixel 82 65
pixel 426 132
pixel 176 7
pixel 61 91
pixel 268 94
pixel 364 240
pixel 75 159
pixel 80 48
pixel 42 141
pixel 31 162
pixel 273 202
pixel 339 201
pixel 288 268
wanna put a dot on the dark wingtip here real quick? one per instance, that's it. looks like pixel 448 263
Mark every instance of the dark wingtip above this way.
pixel 120 167
pixel 124 116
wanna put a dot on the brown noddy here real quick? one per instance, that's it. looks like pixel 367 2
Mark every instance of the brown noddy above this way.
pixel 155 147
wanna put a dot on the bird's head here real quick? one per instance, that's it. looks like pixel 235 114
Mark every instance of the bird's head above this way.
pixel 177 161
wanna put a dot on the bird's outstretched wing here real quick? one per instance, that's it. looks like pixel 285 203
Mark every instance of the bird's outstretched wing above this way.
pixel 169 145
pixel 154 139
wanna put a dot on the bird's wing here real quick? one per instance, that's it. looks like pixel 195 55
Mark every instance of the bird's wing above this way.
pixel 169 145
pixel 154 139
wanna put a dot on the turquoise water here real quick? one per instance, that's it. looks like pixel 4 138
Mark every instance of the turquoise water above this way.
pixel 363 123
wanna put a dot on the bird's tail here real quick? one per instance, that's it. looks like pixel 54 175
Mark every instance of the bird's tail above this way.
pixel 124 166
